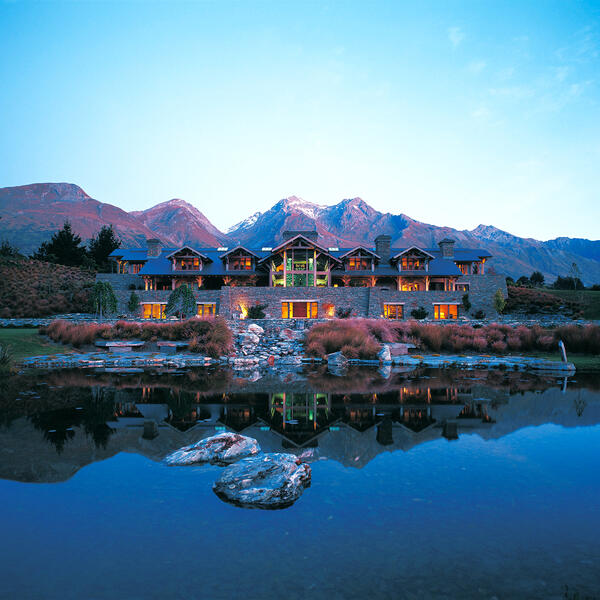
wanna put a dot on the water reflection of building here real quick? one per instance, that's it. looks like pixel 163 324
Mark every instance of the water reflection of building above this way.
pixel 350 428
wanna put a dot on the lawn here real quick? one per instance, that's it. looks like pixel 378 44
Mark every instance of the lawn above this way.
pixel 589 299
pixel 27 342
pixel 583 362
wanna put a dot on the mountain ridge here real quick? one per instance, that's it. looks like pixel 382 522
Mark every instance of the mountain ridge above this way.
pixel 43 207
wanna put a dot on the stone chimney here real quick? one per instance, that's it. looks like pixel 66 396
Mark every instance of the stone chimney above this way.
pixel 383 246
pixel 447 248
pixel 154 247
pixel 310 234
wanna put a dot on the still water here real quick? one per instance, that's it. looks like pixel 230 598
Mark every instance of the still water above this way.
pixel 427 484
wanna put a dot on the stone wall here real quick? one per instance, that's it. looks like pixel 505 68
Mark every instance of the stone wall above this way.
pixel 361 301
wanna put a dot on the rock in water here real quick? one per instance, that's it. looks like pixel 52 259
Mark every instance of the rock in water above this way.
pixel 265 481
pixel 385 355
pixel 222 449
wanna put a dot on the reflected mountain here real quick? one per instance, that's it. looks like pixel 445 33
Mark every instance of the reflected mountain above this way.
pixel 58 425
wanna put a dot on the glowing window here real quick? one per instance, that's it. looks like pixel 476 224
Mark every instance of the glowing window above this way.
pixel 393 311
pixel 299 310
pixel 445 311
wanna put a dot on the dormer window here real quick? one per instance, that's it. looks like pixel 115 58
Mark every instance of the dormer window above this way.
pixel 240 263
pixel 187 259
pixel 358 263
pixel 413 263
pixel 413 259
pixel 187 264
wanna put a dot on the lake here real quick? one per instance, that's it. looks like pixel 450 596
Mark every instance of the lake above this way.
pixel 445 484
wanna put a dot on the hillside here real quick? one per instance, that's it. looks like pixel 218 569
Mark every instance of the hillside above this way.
pixel 30 288
pixel 31 213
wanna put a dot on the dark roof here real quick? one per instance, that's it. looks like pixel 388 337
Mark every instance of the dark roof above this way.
pixel 160 265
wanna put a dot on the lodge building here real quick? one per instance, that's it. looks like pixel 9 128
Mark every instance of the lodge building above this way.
pixel 300 278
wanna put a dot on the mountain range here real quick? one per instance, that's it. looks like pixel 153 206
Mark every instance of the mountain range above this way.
pixel 30 214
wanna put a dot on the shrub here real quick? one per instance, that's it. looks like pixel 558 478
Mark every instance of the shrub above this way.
pixel 133 305
pixel 342 313
pixel 418 313
pixel 499 301
pixel 211 336
pixel 181 302
pixel 257 311
pixel 132 286
pixel 466 302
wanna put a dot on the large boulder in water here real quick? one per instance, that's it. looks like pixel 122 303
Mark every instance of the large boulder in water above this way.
pixel 265 481
pixel 222 449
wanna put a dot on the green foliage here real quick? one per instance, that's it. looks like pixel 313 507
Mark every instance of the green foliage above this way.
pixel 537 279
pixel 7 250
pixel 64 248
pixel 499 301
pixel 257 311
pixel 510 281
pixel 101 246
pixel 342 313
pixel 104 301
pixel 418 313
pixel 6 357
pixel 181 302
pixel 523 281
pixel 466 302
pixel 568 283
pixel 133 305
pixel 479 314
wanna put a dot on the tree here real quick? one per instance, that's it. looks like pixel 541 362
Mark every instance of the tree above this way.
pixel 523 281
pixel 499 301
pixel 63 248
pixel 466 302
pixel 104 300
pixel 537 279
pixel 568 283
pixel 7 250
pixel 181 302
pixel 509 281
pixel 133 305
pixel 102 245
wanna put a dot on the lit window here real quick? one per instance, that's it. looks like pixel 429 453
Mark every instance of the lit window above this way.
pixel 299 310
pixel 445 311
pixel 393 311
pixel 206 310
pixel 359 264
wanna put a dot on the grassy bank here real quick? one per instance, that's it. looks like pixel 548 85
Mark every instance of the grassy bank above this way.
pixel 584 363
pixel 588 299
pixel 210 336
pixel 361 338
pixel 27 342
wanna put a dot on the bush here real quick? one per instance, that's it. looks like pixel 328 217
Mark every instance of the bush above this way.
pixel 479 314
pixel 342 313
pixel 355 338
pixel 133 305
pixel 257 311
pixel 209 336
pixel 132 286
pixel 466 302
pixel 499 301
pixel 418 313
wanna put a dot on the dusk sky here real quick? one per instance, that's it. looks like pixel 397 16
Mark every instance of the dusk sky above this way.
pixel 452 113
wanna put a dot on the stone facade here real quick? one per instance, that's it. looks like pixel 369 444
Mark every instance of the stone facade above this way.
pixel 362 301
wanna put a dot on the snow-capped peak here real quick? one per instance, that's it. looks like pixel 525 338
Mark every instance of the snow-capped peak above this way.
pixel 246 223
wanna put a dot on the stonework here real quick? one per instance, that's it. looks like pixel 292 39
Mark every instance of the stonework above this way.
pixel 231 302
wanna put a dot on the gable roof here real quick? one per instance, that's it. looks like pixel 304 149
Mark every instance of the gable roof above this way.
pixel 360 248
pixel 189 248
pixel 409 249
pixel 239 247
pixel 307 240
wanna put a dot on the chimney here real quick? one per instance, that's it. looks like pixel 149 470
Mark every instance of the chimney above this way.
pixel 154 247
pixel 447 248
pixel 311 234
pixel 383 246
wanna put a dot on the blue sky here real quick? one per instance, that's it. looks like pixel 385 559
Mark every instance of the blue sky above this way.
pixel 453 113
